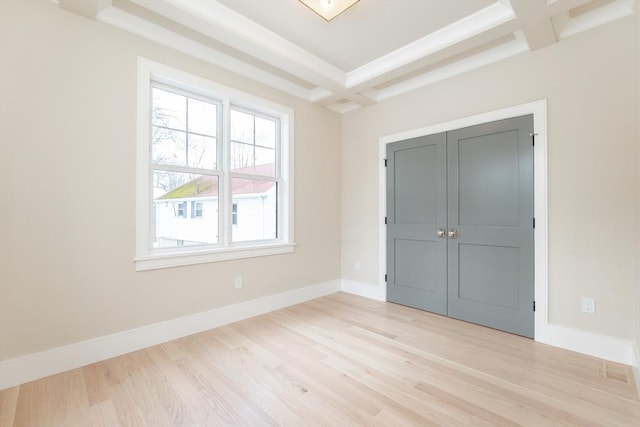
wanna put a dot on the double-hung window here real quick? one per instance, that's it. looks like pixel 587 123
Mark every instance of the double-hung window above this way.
pixel 207 153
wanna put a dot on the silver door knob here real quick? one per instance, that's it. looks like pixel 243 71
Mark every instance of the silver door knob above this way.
pixel 441 233
pixel 453 233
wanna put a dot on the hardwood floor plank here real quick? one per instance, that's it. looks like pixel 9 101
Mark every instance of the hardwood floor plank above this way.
pixel 320 378
pixel 106 386
pixel 104 414
pixel 66 403
pixel 320 383
pixel 8 404
pixel 546 385
pixel 205 408
pixel 499 350
pixel 339 360
pixel 223 401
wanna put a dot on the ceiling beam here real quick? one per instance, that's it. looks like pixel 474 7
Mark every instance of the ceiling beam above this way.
pixel 220 23
pixel 87 8
pixel 535 23
pixel 352 96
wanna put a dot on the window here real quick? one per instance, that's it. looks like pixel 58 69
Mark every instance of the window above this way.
pixel 234 214
pixel 181 210
pixel 204 152
pixel 196 209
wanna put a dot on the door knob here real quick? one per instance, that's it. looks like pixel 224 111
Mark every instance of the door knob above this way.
pixel 453 233
pixel 441 233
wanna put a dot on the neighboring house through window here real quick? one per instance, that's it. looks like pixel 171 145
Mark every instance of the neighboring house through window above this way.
pixel 204 153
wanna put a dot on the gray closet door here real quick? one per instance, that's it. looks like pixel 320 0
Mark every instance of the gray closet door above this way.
pixel 416 208
pixel 477 184
pixel 490 208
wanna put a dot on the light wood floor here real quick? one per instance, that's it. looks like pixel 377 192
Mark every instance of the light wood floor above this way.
pixel 336 361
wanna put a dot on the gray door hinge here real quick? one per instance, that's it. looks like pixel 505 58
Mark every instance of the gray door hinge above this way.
pixel 534 306
pixel 385 220
pixel 385 163
pixel 534 223
pixel 385 278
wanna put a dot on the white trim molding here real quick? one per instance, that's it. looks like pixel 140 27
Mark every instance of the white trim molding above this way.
pixel 39 365
pixel 479 22
pixel 297 71
pixel 145 29
pixel 148 257
pixel 602 346
pixel 367 290
pixel 609 12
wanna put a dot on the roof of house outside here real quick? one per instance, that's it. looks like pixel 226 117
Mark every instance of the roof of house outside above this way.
pixel 207 185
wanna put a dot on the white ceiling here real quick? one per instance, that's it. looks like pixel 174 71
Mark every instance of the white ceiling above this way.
pixel 363 33
pixel 375 50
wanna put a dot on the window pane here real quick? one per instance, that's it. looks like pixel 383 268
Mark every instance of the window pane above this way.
pixel 169 109
pixel 241 127
pixel 241 157
pixel 185 209
pixel 265 161
pixel 202 152
pixel 265 132
pixel 202 117
pixel 168 147
pixel 253 144
pixel 255 212
pixel 251 159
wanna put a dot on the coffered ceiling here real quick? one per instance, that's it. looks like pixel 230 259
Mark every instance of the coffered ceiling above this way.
pixel 375 50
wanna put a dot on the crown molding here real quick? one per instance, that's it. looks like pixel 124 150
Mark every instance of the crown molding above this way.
pixel 468 27
pixel 442 54
pixel 596 17
pixel 518 45
pixel 133 24
pixel 221 23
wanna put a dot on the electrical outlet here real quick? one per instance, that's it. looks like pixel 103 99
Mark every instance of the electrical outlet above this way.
pixel 356 266
pixel 238 282
pixel 588 305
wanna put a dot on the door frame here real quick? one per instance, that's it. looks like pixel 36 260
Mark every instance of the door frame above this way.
pixel 541 253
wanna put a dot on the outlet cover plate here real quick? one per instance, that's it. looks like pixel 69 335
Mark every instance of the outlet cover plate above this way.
pixel 588 305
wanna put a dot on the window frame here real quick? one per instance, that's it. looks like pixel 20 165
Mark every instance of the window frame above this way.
pixel 152 74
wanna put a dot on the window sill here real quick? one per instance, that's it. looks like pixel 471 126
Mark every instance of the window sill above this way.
pixel 177 259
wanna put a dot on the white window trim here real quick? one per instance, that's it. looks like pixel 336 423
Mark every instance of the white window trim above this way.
pixel 148 258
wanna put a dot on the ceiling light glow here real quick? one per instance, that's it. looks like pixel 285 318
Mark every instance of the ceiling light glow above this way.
pixel 329 9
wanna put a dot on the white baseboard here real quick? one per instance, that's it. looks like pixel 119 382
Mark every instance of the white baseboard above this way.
pixel 364 290
pixel 602 346
pixel 38 365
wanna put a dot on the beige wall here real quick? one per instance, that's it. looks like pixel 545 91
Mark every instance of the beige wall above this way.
pixel 637 117
pixel 588 81
pixel 67 188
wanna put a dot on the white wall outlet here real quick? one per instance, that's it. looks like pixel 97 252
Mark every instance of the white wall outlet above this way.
pixel 238 282
pixel 356 266
pixel 588 305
